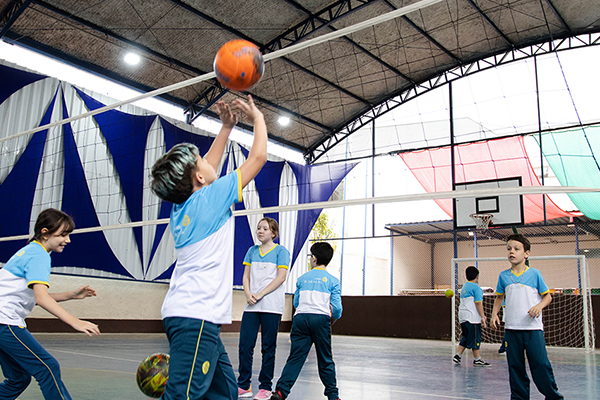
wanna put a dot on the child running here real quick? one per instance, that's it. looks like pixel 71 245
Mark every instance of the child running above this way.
pixel 24 282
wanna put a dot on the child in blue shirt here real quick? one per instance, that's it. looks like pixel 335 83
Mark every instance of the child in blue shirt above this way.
pixel 471 317
pixel 526 294
pixel 317 299
pixel 199 298
pixel 266 266
pixel 24 282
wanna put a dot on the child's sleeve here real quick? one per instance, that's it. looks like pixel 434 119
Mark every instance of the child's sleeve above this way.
pixel 500 286
pixel 297 294
pixel 336 300
pixel 225 191
pixel 248 258
pixel 283 258
pixel 542 287
pixel 478 294
pixel 37 271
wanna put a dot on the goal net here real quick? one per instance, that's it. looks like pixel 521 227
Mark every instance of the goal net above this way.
pixel 568 320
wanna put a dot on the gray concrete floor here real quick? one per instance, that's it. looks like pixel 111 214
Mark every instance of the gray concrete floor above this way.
pixel 367 368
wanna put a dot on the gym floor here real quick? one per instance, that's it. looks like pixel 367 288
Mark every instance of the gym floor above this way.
pixel 367 368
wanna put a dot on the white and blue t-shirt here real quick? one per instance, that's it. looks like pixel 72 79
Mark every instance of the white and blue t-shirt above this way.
pixel 26 267
pixel 202 281
pixel 263 269
pixel 316 290
pixel 470 295
pixel 521 292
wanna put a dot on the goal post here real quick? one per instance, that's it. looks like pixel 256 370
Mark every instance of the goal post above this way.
pixel 568 319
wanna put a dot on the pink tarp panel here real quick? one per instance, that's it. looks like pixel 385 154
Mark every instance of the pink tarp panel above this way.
pixel 493 159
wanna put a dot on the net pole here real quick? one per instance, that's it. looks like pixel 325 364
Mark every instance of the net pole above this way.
pixel 453 265
pixel 586 323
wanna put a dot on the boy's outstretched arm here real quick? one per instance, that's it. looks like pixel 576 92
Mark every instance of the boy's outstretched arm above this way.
pixel 80 293
pixel 495 321
pixel 44 300
pixel 258 153
pixel 229 119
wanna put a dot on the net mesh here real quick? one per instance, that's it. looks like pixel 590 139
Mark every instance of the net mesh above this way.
pixel 567 319
pixel 482 221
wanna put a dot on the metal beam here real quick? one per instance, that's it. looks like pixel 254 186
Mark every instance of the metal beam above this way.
pixel 425 34
pixel 491 23
pixel 397 99
pixel 558 15
pixel 10 14
pixel 118 37
pixel 318 19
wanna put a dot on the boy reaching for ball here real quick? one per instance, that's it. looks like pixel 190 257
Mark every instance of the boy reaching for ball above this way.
pixel 471 317
pixel 199 298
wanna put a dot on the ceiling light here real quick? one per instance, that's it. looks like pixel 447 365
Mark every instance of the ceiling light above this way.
pixel 283 121
pixel 132 59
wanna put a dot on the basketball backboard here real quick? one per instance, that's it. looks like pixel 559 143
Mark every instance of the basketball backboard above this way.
pixel 507 209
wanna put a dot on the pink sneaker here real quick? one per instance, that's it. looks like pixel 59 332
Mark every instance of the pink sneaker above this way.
pixel 262 394
pixel 244 394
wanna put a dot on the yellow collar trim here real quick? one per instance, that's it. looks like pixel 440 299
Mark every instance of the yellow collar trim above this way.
pixel 522 272
pixel 35 241
pixel 260 250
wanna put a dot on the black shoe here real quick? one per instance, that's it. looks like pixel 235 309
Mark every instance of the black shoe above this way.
pixel 277 395
pixel 481 363
pixel 456 359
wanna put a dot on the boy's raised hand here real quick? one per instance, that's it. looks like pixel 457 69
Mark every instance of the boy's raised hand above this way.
pixel 228 118
pixel 247 108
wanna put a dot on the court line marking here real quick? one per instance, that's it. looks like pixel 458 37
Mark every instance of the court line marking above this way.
pixel 388 389
pixel 91 355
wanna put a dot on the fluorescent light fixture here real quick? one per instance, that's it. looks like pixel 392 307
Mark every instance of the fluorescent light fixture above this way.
pixel 132 59
pixel 283 121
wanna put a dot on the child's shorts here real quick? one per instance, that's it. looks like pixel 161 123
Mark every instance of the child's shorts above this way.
pixel 471 335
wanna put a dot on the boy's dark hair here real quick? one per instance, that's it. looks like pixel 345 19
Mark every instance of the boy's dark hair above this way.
pixel 323 252
pixel 520 238
pixel 471 273
pixel 172 173
pixel 51 219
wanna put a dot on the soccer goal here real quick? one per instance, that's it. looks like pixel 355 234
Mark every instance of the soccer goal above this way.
pixel 568 320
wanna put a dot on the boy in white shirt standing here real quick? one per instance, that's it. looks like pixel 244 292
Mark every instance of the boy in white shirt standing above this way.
pixel 526 295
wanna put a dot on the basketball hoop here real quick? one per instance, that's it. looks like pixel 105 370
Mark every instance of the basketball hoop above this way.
pixel 482 221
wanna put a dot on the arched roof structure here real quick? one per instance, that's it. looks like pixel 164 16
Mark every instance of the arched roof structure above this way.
pixel 328 90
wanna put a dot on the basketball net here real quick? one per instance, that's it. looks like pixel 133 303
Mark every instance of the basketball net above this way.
pixel 482 221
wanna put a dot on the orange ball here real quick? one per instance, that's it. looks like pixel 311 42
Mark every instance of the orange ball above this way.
pixel 239 65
